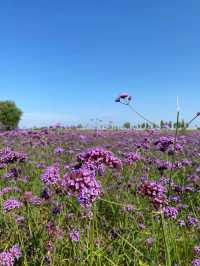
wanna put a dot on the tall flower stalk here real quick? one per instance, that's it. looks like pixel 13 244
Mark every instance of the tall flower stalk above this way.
pixel 125 99
pixel 175 142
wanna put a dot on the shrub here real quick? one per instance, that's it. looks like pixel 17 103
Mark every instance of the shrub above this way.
pixel 10 115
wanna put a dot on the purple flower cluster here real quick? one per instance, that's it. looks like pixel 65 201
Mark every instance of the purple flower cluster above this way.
pixel 170 212
pixel 98 156
pixel 7 258
pixel 11 204
pixel 7 155
pixel 58 150
pixel 132 157
pixel 7 190
pixel 51 175
pixel 154 191
pixel 123 98
pixel 181 223
pixel 196 262
pixel 149 241
pixel 192 221
pixel 164 142
pixel 13 173
pixel 163 165
pixel 83 184
pixel 196 250
pixel 74 235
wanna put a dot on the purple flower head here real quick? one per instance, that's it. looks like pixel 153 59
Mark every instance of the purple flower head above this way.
pixel 50 246
pixel 198 169
pixel 149 241
pixel 132 157
pixel 192 221
pixel 175 198
pixel 7 155
pixel 163 143
pixel 19 219
pixel 6 259
pixel 154 191
pixel 74 235
pixel 7 190
pixel 40 165
pixel 15 251
pixel 51 175
pixel 123 95
pixel 56 210
pixel 163 165
pixel 196 262
pixel 45 194
pixel 11 204
pixel 194 178
pixel 123 98
pixel 58 150
pixel 196 250
pixel 83 184
pixel 129 208
pixel 181 223
pixel 98 156
pixel 12 174
pixel 170 212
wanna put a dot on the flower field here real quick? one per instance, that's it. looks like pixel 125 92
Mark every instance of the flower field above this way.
pixel 84 197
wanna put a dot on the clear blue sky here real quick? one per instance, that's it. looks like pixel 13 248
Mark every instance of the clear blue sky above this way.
pixel 66 60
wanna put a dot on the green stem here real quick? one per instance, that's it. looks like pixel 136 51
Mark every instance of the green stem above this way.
pixel 167 249
pixel 174 152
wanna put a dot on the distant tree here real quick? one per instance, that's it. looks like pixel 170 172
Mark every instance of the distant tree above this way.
pixel 10 115
pixel 143 125
pixel 147 126
pixel 162 123
pixel 182 124
pixel 170 124
pixel 127 125
pixel 175 125
pixel 80 126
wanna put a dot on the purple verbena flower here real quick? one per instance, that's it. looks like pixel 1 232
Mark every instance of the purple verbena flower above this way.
pixel 154 191
pixel 6 259
pixel 15 251
pixel 83 184
pixel 11 204
pixel 98 156
pixel 51 175
pixel 58 150
pixel 196 262
pixel 170 212
pixel 74 235
pixel 196 250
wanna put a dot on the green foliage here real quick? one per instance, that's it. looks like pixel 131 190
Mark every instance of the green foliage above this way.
pixel 10 115
pixel 127 125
